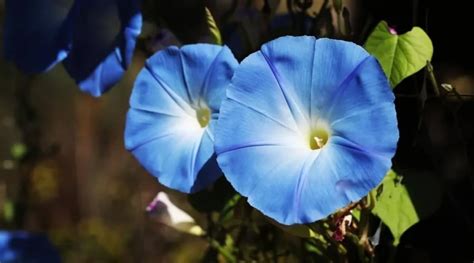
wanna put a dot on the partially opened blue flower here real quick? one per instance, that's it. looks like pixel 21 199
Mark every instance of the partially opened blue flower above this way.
pixel 95 39
pixel 37 33
pixel 173 109
pixel 24 247
pixel 307 127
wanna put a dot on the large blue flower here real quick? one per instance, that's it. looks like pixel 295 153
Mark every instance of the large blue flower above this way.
pixel 95 39
pixel 25 247
pixel 307 127
pixel 173 110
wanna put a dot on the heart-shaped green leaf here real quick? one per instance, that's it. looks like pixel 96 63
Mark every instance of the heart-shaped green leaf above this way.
pixel 394 206
pixel 399 55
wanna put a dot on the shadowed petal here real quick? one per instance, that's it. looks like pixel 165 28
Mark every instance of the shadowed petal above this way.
pixel 104 36
pixel 162 129
pixel 20 246
pixel 37 33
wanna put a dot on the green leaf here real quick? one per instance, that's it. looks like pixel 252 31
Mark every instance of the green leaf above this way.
pixel 356 213
pixel 400 55
pixel 8 211
pixel 18 151
pixel 213 29
pixel 394 206
pixel 227 212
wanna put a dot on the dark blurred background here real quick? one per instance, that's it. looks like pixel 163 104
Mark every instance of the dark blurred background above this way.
pixel 64 170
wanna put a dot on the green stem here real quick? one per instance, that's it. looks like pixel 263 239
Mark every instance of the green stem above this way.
pixel 364 226
pixel 367 205
pixel 228 256
pixel 434 82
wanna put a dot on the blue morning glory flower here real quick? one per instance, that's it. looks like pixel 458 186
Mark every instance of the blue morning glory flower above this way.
pixel 173 110
pixel 307 127
pixel 19 246
pixel 95 39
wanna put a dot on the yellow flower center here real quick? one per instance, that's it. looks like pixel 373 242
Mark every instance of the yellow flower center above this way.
pixel 203 116
pixel 319 136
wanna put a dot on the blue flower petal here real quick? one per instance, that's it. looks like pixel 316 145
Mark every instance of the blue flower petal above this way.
pixel 334 62
pixel 268 132
pixel 104 37
pixel 278 97
pixel 342 173
pixel 162 131
pixel 37 33
pixel 207 84
pixel 257 88
pixel 293 74
pixel 20 246
pixel 356 108
pixel 267 174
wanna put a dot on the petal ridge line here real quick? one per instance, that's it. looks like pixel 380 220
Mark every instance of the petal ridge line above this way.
pixel 253 145
pixel 262 113
pixel 353 114
pixel 311 82
pixel 204 86
pixel 132 149
pixel 353 146
pixel 192 164
pixel 292 105
pixel 310 159
pixel 342 87
pixel 169 114
pixel 185 79
pixel 176 98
